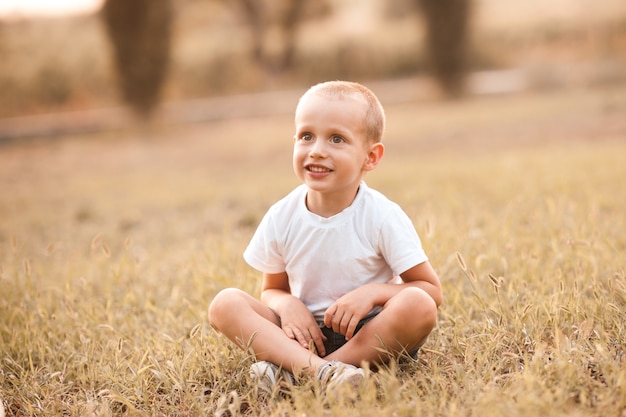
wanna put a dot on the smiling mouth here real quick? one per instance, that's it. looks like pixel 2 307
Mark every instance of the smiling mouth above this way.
pixel 317 169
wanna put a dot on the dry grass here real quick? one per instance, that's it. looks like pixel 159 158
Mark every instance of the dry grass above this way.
pixel 112 246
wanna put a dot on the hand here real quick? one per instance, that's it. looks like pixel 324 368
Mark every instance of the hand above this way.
pixel 299 324
pixel 344 314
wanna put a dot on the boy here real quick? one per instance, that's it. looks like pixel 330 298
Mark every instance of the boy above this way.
pixel 345 278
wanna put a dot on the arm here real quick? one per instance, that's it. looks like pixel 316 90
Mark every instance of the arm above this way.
pixel 421 276
pixel 296 320
pixel 344 315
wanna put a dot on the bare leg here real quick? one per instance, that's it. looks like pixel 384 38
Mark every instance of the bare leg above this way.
pixel 405 320
pixel 247 322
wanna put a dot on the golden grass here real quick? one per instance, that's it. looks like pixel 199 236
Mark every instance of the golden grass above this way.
pixel 112 246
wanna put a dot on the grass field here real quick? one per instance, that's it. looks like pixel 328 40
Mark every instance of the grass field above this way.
pixel 112 246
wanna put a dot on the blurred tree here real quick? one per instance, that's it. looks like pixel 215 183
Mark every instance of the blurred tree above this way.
pixel 140 34
pixel 447 35
pixel 274 24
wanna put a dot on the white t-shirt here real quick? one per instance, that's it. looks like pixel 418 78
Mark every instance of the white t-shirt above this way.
pixel 372 241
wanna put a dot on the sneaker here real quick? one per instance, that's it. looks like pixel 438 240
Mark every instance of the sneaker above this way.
pixel 269 376
pixel 335 374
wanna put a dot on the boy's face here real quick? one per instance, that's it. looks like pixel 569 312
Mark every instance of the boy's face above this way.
pixel 331 151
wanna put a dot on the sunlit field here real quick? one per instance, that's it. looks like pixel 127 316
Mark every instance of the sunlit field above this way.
pixel 112 246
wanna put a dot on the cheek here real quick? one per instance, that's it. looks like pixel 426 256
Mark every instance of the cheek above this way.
pixel 297 158
pixel 299 153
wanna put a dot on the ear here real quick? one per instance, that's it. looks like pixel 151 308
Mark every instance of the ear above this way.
pixel 374 156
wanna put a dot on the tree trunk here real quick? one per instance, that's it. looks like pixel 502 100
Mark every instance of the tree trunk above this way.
pixel 447 23
pixel 140 34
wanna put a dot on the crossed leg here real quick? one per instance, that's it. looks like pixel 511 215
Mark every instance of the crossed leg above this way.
pixel 402 325
pixel 404 322
pixel 246 321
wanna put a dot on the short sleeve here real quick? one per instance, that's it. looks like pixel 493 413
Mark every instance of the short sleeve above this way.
pixel 400 244
pixel 264 252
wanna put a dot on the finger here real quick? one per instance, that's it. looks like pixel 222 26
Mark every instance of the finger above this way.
pixel 328 316
pixel 318 339
pixel 289 332
pixel 294 333
pixel 336 322
pixel 354 322
pixel 301 338
pixel 345 322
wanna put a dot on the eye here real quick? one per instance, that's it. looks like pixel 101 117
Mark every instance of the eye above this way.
pixel 306 137
pixel 337 139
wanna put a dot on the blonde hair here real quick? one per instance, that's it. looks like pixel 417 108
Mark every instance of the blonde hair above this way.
pixel 374 116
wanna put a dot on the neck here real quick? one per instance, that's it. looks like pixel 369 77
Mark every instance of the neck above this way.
pixel 329 204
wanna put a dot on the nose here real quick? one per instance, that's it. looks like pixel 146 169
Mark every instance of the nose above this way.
pixel 318 149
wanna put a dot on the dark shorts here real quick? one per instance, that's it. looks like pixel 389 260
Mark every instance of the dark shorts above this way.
pixel 336 340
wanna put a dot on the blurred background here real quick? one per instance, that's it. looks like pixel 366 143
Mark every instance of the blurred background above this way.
pixel 94 64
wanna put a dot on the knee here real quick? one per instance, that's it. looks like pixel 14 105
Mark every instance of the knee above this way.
pixel 222 306
pixel 416 303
